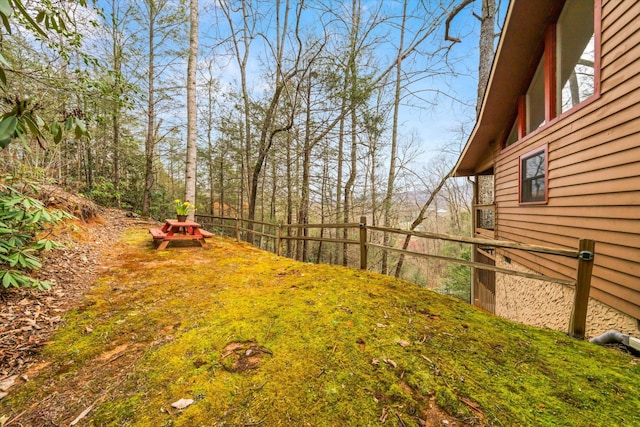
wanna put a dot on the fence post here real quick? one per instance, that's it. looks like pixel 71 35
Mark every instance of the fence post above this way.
pixel 237 230
pixel 279 241
pixel 363 243
pixel 578 321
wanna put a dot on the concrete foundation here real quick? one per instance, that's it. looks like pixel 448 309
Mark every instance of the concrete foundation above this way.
pixel 548 305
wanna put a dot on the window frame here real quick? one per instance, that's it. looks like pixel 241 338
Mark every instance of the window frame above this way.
pixel 548 51
pixel 537 151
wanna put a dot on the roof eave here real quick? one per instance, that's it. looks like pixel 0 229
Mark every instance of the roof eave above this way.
pixel 517 52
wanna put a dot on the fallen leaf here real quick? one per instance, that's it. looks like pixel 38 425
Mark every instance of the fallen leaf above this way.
pixel 473 405
pixel 404 343
pixel 7 383
pixel 32 323
pixel 375 362
pixel 381 325
pixel 391 363
pixel 182 403
pixel 385 414
pixel 81 416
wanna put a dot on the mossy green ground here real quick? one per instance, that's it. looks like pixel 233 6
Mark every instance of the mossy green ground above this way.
pixel 332 346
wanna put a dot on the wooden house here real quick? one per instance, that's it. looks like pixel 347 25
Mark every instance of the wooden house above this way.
pixel 555 154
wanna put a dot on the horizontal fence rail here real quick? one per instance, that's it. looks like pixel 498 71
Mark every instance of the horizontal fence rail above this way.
pixel 584 254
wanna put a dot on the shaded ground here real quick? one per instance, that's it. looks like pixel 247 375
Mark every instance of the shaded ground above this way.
pixel 242 337
pixel 28 317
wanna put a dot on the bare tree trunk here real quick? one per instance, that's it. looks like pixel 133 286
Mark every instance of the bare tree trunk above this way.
pixel 348 187
pixel 192 108
pixel 351 78
pixel 150 143
pixel 374 187
pixel 487 37
pixel 211 156
pixel 303 210
pixel 116 125
pixel 419 219
pixel 341 135
pixel 267 130
pixel 289 194
pixel 116 112
pixel 394 141
pixel 323 190
pixel 221 181
pixel 242 57
pixel 274 188
pixel 575 89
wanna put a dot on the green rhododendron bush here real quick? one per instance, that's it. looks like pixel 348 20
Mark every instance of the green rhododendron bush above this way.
pixel 25 224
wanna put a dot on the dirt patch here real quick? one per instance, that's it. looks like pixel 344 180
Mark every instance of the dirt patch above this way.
pixel 28 317
pixel 55 197
pixel 243 356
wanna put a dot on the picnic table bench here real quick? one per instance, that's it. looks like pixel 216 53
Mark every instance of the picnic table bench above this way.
pixel 179 230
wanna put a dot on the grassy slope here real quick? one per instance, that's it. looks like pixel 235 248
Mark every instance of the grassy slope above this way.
pixel 156 327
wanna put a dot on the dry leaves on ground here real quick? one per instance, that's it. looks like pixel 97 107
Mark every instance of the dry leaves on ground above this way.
pixel 28 317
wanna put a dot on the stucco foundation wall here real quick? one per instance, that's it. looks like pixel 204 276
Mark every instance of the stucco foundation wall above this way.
pixel 548 305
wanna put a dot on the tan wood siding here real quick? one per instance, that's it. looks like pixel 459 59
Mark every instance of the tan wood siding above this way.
pixel 617 152
pixel 612 11
pixel 614 212
pixel 594 175
pixel 615 26
pixel 585 225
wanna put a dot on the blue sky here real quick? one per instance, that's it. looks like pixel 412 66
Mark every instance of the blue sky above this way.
pixel 433 121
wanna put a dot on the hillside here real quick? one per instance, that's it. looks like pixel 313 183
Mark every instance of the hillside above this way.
pixel 254 339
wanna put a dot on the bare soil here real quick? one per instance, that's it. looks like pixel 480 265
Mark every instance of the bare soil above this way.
pixel 28 317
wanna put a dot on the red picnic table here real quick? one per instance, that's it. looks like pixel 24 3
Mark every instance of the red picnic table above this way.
pixel 178 230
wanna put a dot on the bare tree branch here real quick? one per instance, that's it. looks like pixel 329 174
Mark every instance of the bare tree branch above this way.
pixel 450 17
pixel 420 218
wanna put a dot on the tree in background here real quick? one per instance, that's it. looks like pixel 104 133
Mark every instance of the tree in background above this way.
pixel 456 277
pixel 302 113
pixel 161 22
pixel 486 41
pixel 21 112
pixel 192 107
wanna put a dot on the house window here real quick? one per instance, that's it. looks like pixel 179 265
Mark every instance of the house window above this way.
pixel 567 72
pixel 485 198
pixel 535 100
pixel 575 52
pixel 512 137
pixel 533 177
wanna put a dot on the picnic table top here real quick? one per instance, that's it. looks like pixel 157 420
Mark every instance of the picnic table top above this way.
pixel 176 223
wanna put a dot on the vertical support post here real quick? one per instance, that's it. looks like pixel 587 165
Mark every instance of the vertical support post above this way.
pixel 363 243
pixel 279 241
pixel 474 248
pixel 578 321
pixel 237 230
